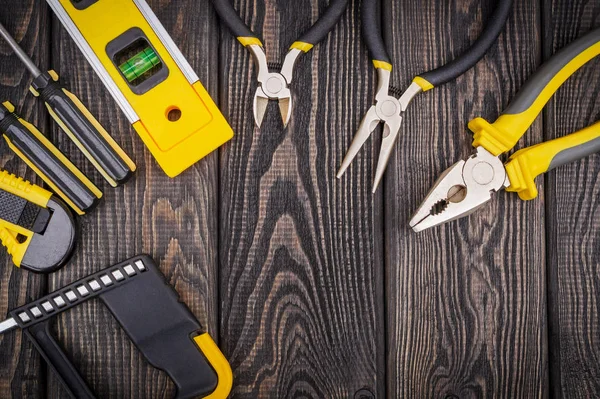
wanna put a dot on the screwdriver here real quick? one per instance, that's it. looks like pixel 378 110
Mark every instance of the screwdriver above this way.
pixel 75 120
pixel 25 140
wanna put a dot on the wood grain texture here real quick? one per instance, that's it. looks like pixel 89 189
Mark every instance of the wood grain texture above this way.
pixel 21 373
pixel 174 220
pixel 466 315
pixel 300 251
pixel 573 214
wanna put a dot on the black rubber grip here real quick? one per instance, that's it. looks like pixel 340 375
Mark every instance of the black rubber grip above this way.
pixel 468 59
pixel 82 128
pixel 163 328
pixel 19 211
pixel 43 159
pixel 232 19
pixel 57 360
pixel 371 28
pixel 325 23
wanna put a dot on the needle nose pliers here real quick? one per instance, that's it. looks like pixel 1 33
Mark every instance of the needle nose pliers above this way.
pixel 388 109
pixel 275 85
pixel 469 184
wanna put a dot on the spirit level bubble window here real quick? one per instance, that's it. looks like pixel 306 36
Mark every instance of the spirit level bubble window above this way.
pixel 137 61
pixel 82 4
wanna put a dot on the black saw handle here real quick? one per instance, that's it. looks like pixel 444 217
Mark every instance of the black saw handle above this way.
pixel 57 360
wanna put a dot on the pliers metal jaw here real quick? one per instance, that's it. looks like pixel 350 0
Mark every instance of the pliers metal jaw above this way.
pixel 467 185
pixel 462 189
pixel 388 110
pixel 273 85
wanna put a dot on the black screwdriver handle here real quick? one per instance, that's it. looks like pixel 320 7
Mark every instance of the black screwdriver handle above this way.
pixel 57 360
pixel 83 129
pixel 25 140
pixel 468 59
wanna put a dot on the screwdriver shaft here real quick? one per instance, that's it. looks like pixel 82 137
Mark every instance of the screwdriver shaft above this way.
pixel 20 53
pixel 7 325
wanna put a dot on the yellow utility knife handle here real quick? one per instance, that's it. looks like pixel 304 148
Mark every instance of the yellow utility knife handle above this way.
pixel 22 188
pixel 505 132
pixel 9 231
pixel 14 248
pixel 526 164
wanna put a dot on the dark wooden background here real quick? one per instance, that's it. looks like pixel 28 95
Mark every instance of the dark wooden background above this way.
pixel 314 287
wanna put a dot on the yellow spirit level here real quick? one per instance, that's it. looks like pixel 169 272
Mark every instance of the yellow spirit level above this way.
pixel 149 78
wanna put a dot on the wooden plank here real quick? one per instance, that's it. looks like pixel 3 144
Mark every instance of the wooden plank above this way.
pixel 301 283
pixel 573 214
pixel 174 220
pixel 21 372
pixel 466 314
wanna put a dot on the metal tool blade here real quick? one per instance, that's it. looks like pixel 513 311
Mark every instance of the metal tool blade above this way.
pixel 391 130
pixel 285 109
pixel 366 127
pixel 7 325
pixel 261 101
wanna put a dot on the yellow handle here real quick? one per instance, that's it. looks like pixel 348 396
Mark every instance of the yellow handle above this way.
pixel 219 363
pixel 505 132
pixel 14 248
pixel 9 231
pixel 22 188
pixel 526 164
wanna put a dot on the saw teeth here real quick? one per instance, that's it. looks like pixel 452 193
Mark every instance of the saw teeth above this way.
pixel 439 207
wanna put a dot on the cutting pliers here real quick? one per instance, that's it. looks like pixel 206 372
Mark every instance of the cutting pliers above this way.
pixel 275 85
pixel 469 184
pixel 388 109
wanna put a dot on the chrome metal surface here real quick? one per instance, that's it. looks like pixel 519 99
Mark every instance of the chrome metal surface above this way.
pixel 19 52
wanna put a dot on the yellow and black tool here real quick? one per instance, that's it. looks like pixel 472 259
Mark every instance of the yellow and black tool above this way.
pixel 149 310
pixel 471 183
pixel 149 78
pixel 75 120
pixel 36 228
pixel 25 140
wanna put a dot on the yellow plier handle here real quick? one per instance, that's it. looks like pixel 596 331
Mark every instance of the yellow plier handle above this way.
pixel 505 132
pixel 526 164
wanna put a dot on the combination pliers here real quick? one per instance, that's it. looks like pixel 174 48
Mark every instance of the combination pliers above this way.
pixel 388 109
pixel 275 85
pixel 469 184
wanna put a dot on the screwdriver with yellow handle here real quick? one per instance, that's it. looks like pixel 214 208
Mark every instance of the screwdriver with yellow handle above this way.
pixel 25 140
pixel 75 120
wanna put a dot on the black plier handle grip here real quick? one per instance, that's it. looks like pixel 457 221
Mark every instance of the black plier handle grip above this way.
pixel 445 73
pixel 317 32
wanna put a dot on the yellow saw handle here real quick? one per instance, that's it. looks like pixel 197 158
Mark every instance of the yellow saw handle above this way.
pixel 505 132
pixel 526 164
